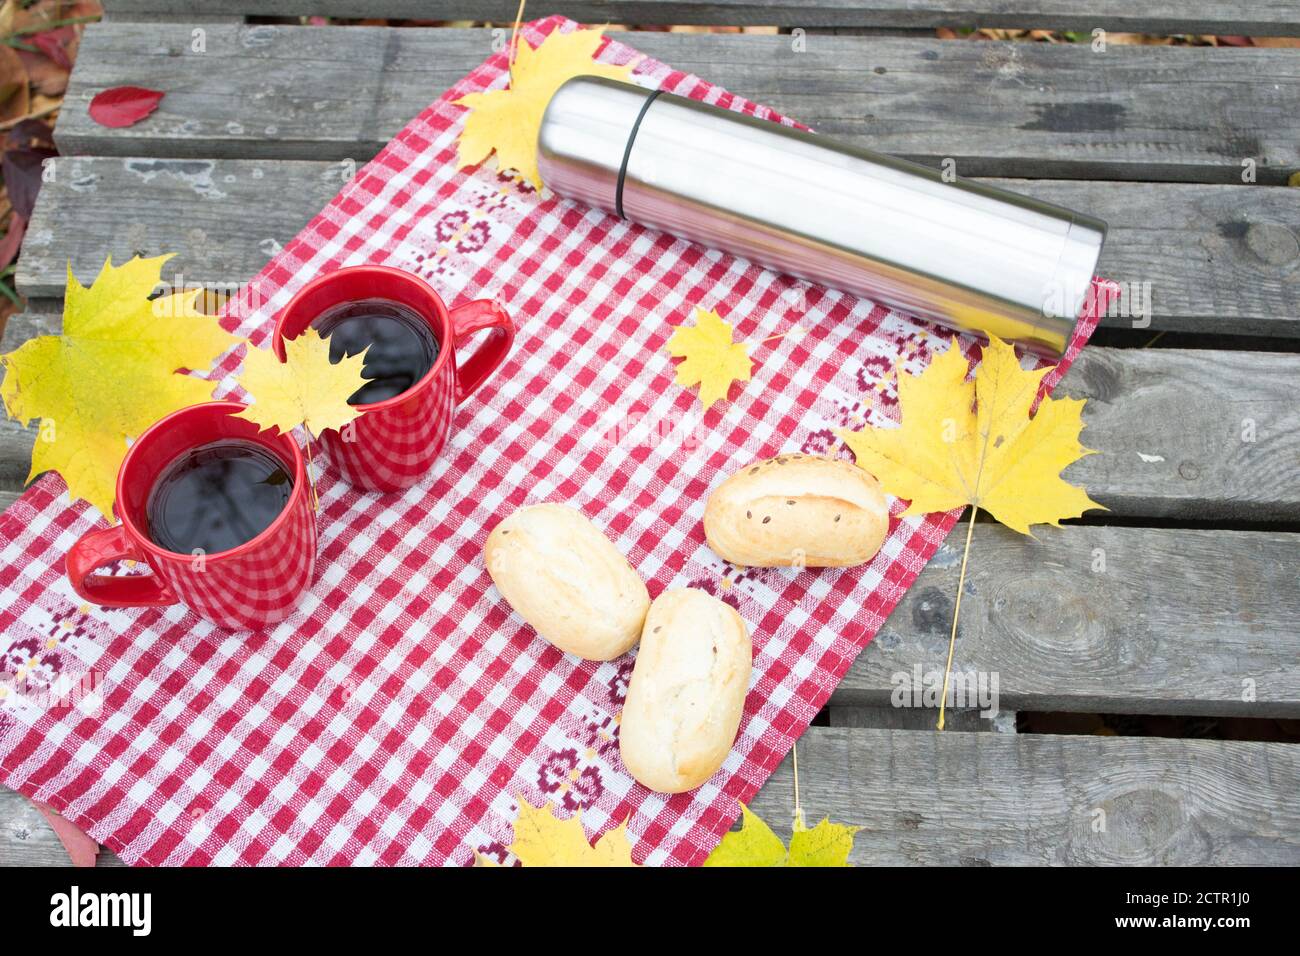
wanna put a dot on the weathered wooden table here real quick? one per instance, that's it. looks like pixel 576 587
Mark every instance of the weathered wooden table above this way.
pixel 1182 600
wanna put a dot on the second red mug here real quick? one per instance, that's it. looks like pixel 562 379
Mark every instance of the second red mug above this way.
pixel 248 587
pixel 396 441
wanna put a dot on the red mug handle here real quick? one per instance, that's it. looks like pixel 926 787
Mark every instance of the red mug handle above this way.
pixel 481 315
pixel 101 548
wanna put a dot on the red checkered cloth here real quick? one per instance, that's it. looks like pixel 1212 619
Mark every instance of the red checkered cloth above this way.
pixel 399 715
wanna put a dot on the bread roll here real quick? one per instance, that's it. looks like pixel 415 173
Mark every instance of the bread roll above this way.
pixel 797 510
pixel 568 581
pixel 687 691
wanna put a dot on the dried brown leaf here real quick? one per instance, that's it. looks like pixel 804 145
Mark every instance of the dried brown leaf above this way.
pixel 15 99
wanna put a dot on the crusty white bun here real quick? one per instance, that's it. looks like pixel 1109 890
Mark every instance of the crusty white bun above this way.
pixel 566 579
pixel 797 510
pixel 687 692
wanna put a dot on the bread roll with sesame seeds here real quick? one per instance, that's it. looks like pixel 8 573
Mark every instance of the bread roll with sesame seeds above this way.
pixel 797 510
pixel 687 692
pixel 566 579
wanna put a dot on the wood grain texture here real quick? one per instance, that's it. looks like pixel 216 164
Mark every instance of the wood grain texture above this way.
pixel 1271 18
pixel 26 838
pixel 224 219
pixel 1189 257
pixel 1190 114
pixel 1103 620
pixel 1187 433
pixel 998 799
pixel 15 454
pixel 28 325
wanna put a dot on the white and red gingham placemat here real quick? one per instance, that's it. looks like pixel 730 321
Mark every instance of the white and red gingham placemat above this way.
pixel 402 711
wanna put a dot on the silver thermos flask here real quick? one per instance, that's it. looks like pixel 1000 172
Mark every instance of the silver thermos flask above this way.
pixel 972 257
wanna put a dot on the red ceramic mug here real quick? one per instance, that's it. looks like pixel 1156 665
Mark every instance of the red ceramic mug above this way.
pixel 248 587
pixel 395 442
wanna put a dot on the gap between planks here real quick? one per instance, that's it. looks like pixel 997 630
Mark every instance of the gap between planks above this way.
pixel 922 719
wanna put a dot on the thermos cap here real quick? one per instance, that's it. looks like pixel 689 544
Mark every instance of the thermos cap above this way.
pixel 967 255
pixel 586 137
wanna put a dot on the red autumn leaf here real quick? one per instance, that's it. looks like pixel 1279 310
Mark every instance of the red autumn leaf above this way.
pixel 123 105
pixel 82 850
pixel 54 44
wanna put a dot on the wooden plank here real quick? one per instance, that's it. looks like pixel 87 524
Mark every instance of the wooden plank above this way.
pixel 224 218
pixel 1102 620
pixel 1032 799
pixel 1190 257
pixel 1272 18
pixel 1192 434
pixel 15 454
pixel 1193 258
pixel 1191 114
pixel 26 838
pixel 28 325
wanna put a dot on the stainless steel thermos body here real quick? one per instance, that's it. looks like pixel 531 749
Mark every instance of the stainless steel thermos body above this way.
pixel 972 257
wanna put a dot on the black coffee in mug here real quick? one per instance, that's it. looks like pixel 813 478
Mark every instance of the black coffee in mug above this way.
pixel 216 497
pixel 400 347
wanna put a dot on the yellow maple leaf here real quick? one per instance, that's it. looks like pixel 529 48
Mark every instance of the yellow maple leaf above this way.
pixel 110 374
pixel 543 840
pixel 507 121
pixel 826 844
pixel 972 442
pixel 306 389
pixel 754 844
pixel 712 359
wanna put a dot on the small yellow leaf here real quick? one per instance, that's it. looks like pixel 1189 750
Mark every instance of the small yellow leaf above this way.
pixel 972 442
pixel 826 844
pixel 712 359
pixel 754 844
pixel 110 374
pixel 508 121
pixel 543 840
pixel 306 389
